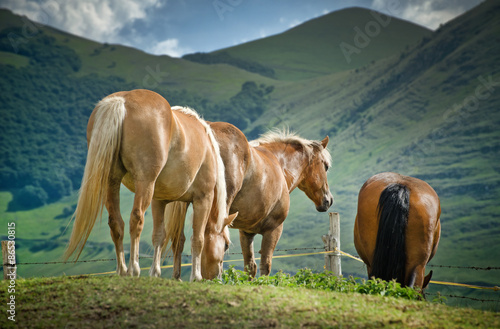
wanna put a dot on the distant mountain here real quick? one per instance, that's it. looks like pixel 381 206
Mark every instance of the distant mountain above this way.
pixel 339 41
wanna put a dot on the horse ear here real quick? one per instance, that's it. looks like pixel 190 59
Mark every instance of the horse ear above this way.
pixel 325 141
pixel 229 219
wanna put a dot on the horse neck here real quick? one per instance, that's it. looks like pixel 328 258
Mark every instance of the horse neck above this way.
pixel 292 161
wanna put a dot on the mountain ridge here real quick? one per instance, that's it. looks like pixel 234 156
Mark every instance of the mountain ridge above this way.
pixel 339 40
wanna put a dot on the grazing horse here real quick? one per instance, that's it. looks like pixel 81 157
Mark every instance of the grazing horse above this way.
pixel 397 228
pixel 259 178
pixel 135 138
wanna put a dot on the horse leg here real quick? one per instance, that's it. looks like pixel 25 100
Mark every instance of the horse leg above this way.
pixel 201 210
pixel 269 242
pixel 177 251
pixel 158 209
pixel 361 247
pixel 115 221
pixel 415 276
pixel 143 196
pixel 246 242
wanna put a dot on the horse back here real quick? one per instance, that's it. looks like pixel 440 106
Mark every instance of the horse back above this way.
pixel 235 153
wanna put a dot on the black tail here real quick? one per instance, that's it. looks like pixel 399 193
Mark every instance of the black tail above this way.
pixel 389 258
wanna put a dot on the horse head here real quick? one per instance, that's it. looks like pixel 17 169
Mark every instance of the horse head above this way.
pixel 314 181
pixel 215 245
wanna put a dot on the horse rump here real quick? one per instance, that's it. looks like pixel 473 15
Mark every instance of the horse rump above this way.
pixel 389 259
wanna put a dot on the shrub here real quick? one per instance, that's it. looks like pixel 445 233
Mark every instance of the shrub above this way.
pixel 306 278
pixel 28 197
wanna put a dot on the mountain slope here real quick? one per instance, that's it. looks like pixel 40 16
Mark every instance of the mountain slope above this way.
pixel 338 41
pixel 214 83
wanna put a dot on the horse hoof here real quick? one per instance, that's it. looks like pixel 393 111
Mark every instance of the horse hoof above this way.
pixel 122 271
pixel 134 271
pixel 155 273
pixel 196 278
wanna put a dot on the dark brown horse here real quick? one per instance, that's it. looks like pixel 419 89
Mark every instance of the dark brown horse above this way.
pixel 259 178
pixel 160 154
pixel 397 228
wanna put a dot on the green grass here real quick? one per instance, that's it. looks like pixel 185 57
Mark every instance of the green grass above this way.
pixel 14 59
pixel 103 302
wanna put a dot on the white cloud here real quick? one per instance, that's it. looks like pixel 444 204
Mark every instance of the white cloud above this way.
pixel 291 23
pixel 294 23
pixel 169 47
pixel 100 20
pixel 425 15
pixel 429 13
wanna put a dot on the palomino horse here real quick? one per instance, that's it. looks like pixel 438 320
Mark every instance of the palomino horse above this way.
pixel 161 155
pixel 397 228
pixel 260 176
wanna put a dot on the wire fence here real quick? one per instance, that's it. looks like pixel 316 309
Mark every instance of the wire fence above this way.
pixel 489 268
pixel 315 251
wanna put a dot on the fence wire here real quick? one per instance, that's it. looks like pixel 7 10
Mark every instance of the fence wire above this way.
pixel 477 268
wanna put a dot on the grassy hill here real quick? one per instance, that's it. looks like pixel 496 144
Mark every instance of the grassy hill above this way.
pixel 423 110
pixel 103 302
pixel 134 66
pixel 326 44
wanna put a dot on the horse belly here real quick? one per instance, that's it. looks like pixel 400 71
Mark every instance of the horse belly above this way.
pixel 256 213
pixel 128 182
pixel 173 184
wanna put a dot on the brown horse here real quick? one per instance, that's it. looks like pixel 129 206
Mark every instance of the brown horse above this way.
pixel 397 228
pixel 260 176
pixel 161 155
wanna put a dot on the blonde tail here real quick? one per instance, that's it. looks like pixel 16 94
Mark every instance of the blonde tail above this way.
pixel 103 148
pixel 175 215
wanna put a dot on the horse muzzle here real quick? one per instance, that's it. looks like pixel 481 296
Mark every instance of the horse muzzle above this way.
pixel 327 203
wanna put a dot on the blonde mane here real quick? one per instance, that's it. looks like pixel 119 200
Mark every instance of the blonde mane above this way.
pixel 191 112
pixel 287 137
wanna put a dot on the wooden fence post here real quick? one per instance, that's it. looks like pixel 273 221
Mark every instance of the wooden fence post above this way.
pixel 9 270
pixel 332 243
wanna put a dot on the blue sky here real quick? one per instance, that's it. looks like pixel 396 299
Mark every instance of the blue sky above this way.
pixel 177 27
